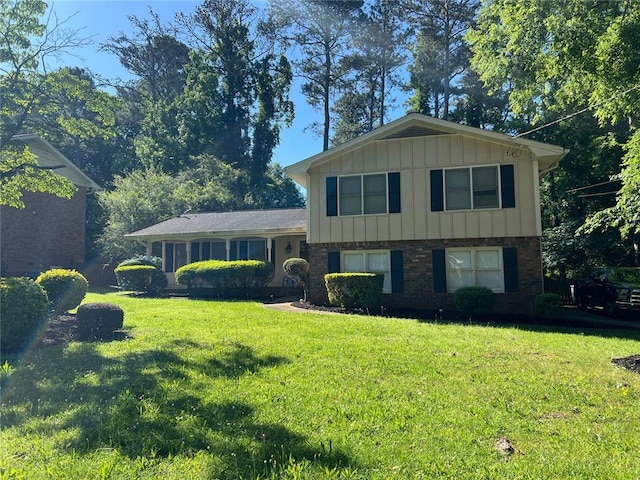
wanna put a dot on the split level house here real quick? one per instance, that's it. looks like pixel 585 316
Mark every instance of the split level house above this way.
pixel 432 205
pixel 50 231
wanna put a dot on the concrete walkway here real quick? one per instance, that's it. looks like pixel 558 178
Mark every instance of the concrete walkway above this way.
pixel 287 305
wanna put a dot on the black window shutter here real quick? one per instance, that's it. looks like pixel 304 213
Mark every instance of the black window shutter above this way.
pixel 334 262
pixel 168 262
pixel 507 180
pixel 195 251
pixel 437 191
pixel 510 264
pixel 394 192
pixel 397 278
pixel 332 196
pixel 439 271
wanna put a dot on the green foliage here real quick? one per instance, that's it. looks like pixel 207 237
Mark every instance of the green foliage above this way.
pixel 354 290
pixel 20 172
pixel 23 311
pixel 298 268
pixel 65 288
pixel 141 274
pixel 235 279
pixel 474 301
pixel 97 321
pixel 547 305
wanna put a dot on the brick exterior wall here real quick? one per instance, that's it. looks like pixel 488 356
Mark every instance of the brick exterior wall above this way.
pixel 418 272
pixel 50 231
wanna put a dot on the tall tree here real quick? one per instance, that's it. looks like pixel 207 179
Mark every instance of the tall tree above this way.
pixel 440 52
pixel 29 92
pixel 379 39
pixel 565 57
pixel 321 30
pixel 236 98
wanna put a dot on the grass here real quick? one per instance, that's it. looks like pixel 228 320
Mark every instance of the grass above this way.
pixel 224 390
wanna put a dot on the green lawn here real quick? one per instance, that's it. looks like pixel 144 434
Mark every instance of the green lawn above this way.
pixel 223 390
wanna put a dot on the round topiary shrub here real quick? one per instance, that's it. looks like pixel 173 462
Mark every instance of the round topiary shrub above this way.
pixel 474 301
pixel 142 274
pixel 548 305
pixel 65 288
pixel 99 321
pixel 23 311
pixel 298 268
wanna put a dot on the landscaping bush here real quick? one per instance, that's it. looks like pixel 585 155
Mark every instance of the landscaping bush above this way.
pixel 474 301
pixel 99 321
pixel 23 311
pixel 234 279
pixel 354 290
pixel 141 274
pixel 547 305
pixel 65 288
pixel 298 268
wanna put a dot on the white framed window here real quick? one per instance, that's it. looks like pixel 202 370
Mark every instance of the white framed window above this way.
pixel 362 194
pixel 472 188
pixel 369 261
pixel 475 267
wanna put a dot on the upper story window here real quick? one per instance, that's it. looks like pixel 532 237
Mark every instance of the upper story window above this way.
pixel 472 188
pixel 363 194
pixel 366 194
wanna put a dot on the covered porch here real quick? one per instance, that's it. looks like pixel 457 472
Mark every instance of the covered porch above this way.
pixel 267 235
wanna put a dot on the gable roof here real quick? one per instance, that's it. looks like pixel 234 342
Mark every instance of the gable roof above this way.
pixel 417 125
pixel 247 222
pixel 49 156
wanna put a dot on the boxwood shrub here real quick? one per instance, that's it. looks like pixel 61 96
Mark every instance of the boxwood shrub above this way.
pixel 548 305
pixel 98 321
pixel 65 288
pixel 23 311
pixel 354 290
pixel 141 274
pixel 474 301
pixel 227 279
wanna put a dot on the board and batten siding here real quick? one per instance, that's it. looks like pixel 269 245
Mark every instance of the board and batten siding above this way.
pixel 414 158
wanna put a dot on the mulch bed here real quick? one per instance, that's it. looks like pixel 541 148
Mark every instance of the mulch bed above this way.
pixel 630 363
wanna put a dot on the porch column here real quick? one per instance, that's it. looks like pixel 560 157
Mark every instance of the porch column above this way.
pixel 227 243
pixel 269 252
pixel 164 255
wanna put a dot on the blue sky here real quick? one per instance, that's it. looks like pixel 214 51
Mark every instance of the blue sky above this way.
pixel 101 19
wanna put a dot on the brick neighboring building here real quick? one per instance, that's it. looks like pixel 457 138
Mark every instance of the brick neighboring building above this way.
pixel 50 231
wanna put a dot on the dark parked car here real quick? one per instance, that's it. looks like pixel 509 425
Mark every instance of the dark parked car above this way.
pixel 612 288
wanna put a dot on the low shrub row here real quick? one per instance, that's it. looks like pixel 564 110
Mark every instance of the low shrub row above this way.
pixel 354 290
pixel 141 274
pixel 227 279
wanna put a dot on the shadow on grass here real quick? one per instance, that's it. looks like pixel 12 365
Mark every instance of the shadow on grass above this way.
pixel 624 325
pixel 149 404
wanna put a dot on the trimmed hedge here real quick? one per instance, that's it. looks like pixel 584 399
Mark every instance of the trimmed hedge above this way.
pixel 23 311
pixel 474 301
pixel 141 274
pixel 99 321
pixel 65 288
pixel 547 305
pixel 354 290
pixel 233 279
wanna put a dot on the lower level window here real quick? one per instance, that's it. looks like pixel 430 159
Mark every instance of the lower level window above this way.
pixel 372 261
pixel 475 267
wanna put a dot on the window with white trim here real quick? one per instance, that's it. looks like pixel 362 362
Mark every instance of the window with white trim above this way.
pixel 370 261
pixel 362 194
pixel 475 267
pixel 472 188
